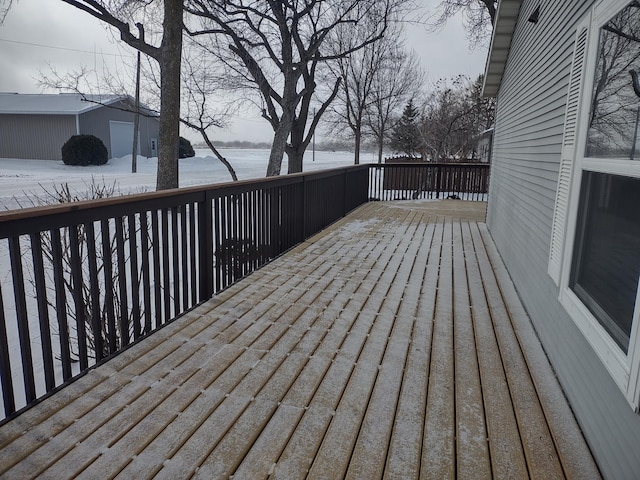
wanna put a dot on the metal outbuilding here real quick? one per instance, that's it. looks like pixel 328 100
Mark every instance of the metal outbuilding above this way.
pixel 35 126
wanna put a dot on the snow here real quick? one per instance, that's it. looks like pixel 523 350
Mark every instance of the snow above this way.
pixel 22 179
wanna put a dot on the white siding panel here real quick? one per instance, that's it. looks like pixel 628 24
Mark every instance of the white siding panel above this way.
pixel 527 150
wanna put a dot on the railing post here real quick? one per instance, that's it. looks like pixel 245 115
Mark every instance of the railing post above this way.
pixel 304 208
pixel 344 192
pixel 205 247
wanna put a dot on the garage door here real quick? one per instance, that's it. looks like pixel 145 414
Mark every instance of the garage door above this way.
pixel 121 139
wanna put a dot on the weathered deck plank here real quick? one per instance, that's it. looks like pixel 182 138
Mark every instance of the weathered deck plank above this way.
pixel 438 453
pixel 391 345
pixel 472 452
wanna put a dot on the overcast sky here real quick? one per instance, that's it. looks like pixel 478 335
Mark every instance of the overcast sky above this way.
pixel 38 34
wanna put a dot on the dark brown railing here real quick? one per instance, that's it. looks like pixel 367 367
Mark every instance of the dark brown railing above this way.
pixel 80 282
pixel 412 181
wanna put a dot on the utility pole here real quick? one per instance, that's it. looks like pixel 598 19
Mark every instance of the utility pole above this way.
pixel 136 119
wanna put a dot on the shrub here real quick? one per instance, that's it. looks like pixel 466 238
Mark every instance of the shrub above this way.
pixel 185 150
pixel 84 150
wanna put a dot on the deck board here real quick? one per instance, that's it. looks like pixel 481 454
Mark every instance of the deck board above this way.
pixel 390 345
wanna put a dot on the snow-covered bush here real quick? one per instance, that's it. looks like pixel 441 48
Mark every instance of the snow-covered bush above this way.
pixel 84 150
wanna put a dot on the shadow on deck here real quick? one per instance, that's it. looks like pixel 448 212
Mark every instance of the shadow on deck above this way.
pixel 392 344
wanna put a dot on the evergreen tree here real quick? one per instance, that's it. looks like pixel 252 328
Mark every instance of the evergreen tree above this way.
pixel 405 135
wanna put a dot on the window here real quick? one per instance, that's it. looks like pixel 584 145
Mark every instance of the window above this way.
pixel 606 260
pixel 595 253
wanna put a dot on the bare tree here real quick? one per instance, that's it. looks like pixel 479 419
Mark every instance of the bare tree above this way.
pixel 168 54
pixel 397 79
pixel 358 73
pixel 279 47
pixel 479 17
pixel 454 115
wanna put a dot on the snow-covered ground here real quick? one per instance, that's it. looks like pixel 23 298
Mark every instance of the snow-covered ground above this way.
pixel 22 179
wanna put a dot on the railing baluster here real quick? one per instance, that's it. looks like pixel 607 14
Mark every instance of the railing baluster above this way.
pixel 157 279
pixel 122 284
pixel 183 255
pixel 218 234
pixel 61 304
pixel 146 277
pixel 6 381
pixel 109 297
pixel 77 293
pixel 43 310
pixel 166 251
pixel 175 256
pixel 194 253
pixel 135 279
pixel 228 236
pixel 22 318
pixel 94 292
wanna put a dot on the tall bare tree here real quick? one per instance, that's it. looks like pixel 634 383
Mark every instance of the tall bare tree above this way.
pixel 397 79
pixel 358 73
pixel 120 14
pixel 279 48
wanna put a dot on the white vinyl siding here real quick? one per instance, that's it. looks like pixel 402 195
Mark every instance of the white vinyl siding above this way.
pixel 622 366
pixel 527 149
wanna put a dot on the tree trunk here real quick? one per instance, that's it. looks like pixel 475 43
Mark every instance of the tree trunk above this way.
pixel 380 147
pixel 357 141
pixel 277 149
pixel 170 62
pixel 295 157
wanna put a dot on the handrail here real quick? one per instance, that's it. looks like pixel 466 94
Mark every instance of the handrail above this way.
pixel 81 282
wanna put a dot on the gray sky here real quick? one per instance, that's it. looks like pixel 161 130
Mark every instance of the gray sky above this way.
pixel 38 34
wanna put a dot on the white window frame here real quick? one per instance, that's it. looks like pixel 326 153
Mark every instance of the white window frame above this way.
pixel 623 367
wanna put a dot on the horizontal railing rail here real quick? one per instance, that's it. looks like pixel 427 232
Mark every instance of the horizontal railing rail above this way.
pixel 80 282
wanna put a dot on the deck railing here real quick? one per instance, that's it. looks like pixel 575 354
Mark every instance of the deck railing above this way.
pixel 80 282
pixel 412 181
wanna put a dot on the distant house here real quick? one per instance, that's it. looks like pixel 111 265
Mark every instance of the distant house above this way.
pixel 564 202
pixel 36 126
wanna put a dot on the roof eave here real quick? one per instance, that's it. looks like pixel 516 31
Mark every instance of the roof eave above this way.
pixel 505 25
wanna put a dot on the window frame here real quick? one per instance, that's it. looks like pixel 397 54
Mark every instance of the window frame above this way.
pixel 624 368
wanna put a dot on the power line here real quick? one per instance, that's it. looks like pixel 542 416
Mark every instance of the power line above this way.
pixel 62 48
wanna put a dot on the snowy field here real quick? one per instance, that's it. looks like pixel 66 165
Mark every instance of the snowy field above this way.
pixel 22 180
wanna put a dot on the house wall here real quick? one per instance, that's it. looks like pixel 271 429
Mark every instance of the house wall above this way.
pixel 96 122
pixel 525 163
pixel 35 136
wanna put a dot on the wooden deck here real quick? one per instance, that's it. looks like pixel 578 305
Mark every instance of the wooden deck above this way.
pixel 391 345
